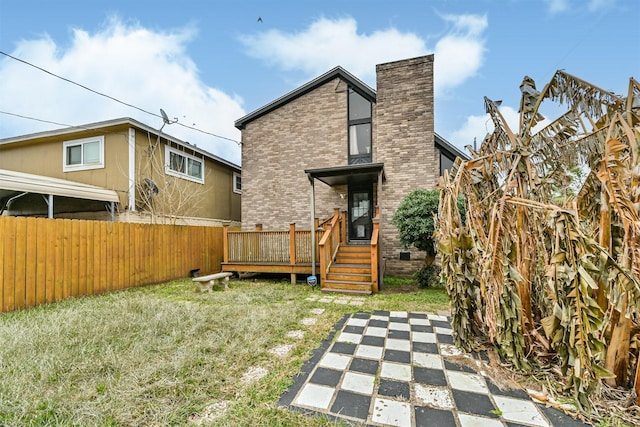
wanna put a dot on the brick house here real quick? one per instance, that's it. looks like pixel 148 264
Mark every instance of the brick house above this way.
pixel 348 147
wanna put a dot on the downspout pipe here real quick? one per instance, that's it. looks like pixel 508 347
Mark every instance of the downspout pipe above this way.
pixel 313 231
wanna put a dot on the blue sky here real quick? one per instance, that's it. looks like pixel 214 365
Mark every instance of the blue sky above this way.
pixel 208 63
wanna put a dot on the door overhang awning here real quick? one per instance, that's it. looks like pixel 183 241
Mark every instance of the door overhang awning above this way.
pixel 342 175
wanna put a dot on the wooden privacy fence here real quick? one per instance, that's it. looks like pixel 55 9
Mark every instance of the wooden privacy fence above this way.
pixel 47 260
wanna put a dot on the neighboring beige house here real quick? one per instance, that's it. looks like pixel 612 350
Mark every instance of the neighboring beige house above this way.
pixel 354 148
pixel 156 177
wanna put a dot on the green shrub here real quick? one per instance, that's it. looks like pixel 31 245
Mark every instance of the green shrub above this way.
pixel 429 276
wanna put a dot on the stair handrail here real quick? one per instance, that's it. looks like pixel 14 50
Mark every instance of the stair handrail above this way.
pixel 375 254
pixel 325 223
pixel 332 236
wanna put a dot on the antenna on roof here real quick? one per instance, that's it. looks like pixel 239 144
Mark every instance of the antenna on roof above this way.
pixel 166 120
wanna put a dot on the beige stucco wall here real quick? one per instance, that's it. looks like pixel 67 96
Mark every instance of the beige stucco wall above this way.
pixel 44 156
pixel 212 199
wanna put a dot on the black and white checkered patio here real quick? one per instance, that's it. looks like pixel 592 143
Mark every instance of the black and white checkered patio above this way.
pixel 395 369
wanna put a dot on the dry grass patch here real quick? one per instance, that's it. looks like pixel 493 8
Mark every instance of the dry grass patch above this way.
pixel 161 355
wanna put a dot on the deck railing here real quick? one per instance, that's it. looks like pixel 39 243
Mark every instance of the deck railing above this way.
pixel 258 246
pixel 375 254
pixel 277 247
pixel 330 242
pixel 292 249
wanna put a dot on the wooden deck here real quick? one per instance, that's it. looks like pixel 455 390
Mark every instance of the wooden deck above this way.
pixel 261 251
pixel 289 252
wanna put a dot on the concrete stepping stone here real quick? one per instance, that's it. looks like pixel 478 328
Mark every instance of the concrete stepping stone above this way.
pixel 296 334
pixel 281 350
pixel 253 374
pixel 308 321
pixel 210 413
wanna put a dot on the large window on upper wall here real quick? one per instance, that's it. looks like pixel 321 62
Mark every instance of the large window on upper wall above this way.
pixel 183 165
pixel 359 128
pixel 83 154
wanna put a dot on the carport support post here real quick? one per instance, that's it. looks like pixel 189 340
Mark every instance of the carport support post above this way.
pixel 112 211
pixel 50 206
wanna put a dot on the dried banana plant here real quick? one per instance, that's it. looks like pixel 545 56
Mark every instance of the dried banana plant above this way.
pixel 547 265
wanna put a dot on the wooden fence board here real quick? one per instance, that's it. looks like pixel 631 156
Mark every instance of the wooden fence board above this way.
pixel 58 286
pixel 3 237
pixel 50 269
pixel 66 258
pixel 121 258
pixel 119 248
pixel 97 258
pixel 126 272
pixel 74 282
pixel 82 257
pixel 110 260
pixel 31 268
pixel 135 255
pixel 104 258
pixel 20 267
pixel 40 236
pixel 89 258
pixel 8 279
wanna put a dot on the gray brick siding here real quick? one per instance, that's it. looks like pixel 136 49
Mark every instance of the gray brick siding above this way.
pixel 308 132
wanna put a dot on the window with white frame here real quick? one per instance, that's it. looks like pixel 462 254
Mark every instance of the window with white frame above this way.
pixel 83 154
pixel 237 183
pixel 183 165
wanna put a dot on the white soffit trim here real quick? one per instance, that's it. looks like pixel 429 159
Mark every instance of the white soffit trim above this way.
pixel 29 183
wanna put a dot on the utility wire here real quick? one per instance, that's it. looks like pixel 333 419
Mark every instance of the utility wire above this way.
pixel 39 120
pixel 106 96
pixel 84 128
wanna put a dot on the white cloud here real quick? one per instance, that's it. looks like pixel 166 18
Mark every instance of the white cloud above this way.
pixel 148 69
pixel 479 126
pixel 557 6
pixel 327 43
pixel 560 6
pixel 460 53
pixel 596 5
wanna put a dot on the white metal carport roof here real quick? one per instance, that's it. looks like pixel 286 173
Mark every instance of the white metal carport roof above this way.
pixel 14 184
pixel 19 182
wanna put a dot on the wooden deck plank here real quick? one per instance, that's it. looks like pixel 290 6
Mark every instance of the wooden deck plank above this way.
pixel 267 268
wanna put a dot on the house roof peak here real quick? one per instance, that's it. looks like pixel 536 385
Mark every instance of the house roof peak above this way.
pixel 337 71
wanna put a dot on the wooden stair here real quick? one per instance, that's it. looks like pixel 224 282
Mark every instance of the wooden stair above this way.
pixel 350 273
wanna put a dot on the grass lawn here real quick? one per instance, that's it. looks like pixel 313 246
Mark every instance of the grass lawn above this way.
pixel 163 354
